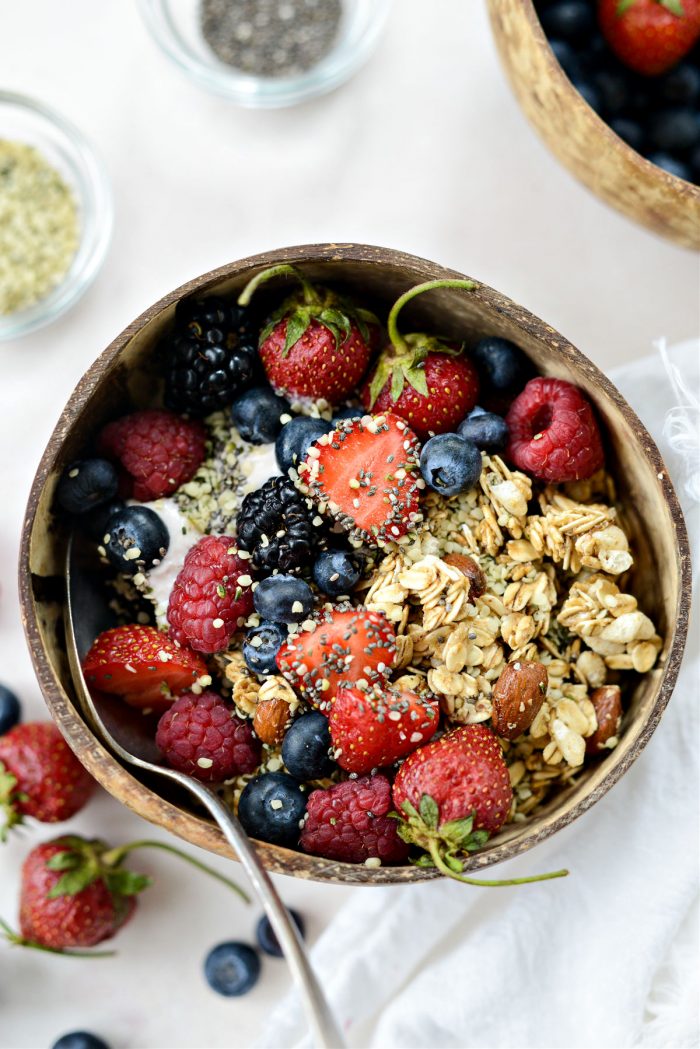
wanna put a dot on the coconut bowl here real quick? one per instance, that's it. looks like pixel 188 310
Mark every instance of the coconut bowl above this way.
pixel 580 139
pixel 123 377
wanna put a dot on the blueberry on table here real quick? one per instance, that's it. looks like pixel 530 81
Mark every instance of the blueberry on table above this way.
pixel 502 365
pixel 10 710
pixel 80 1040
pixel 450 463
pixel 257 413
pixel 677 128
pixel 306 747
pixel 336 572
pixel 671 165
pixel 86 484
pixel 271 808
pixel 138 539
pixel 570 20
pixel 267 941
pixel 295 439
pixel 261 645
pixel 232 968
pixel 283 599
pixel 485 429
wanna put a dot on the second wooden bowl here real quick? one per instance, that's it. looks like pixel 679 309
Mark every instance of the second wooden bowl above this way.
pixel 123 377
pixel 580 139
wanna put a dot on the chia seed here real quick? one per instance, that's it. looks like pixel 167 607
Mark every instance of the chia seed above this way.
pixel 270 38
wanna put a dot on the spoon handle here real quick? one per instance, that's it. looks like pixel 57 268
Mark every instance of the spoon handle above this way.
pixel 321 1020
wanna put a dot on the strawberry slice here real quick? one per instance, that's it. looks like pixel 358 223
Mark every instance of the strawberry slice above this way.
pixel 365 474
pixel 344 646
pixel 143 666
pixel 373 727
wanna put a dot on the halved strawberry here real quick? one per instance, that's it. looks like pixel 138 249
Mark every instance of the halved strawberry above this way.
pixel 365 474
pixel 373 727
pixel 345 645
pixel 143 666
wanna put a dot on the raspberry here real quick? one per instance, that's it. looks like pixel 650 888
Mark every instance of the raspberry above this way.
pixel 157 449
pixel 349 822
pixel 200 735
pixel 553 433
pixel 211 595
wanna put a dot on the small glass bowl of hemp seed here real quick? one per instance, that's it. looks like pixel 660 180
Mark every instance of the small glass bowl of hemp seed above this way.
pixel 55 215
pixel 267 54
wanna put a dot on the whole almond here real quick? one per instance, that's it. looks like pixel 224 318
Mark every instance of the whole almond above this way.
pixel 607 703
pixel 517 697
pixel 270 720
pixel 468 567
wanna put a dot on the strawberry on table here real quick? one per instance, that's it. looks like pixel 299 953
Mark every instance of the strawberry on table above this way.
pixel 316 346
pixel 650 36
pixel 365 473
pixel 40 776
pixel 344 645
pixel 143 666
pixel 375 726
pixel 422 378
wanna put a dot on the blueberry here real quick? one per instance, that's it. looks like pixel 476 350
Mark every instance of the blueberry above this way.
pixel 94 523
pixel 336 572
pixel 630 131
pixel 485 430
pixel 353 412
pixel 271 808
pixel 613 89
pixel 86 484
pixel 672 129
pixel 450 463
pixel 502 365
pixel 283 599
pixel 232 968
pixel 670 164
pixel 296 437
pixel 10 710
pixel 261 645
pixel 79 1040
pixel 695 164
pixel 267 941
pixel 589 93
pixel 569 19
pixel 138 539
pixel 256 414
pixel 306 747
pixel 567 58
pixel 682 84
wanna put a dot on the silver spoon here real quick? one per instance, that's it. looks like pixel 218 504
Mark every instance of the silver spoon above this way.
pixel 126 733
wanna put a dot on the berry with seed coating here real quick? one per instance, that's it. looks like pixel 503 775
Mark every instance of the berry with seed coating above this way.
pixel 86 484
pixel 306 747
pixel 232 969
pixel 295 439
pixel 373 727
pixel 275 526
pixel 271 808
pixel 202 737
pixel 261 646
pixel 159 451
pixel 138 539
pixel 256 414
pixel 554 435
pixel 336 572
pixel 350 822
pixel 283 599
pixel 211 596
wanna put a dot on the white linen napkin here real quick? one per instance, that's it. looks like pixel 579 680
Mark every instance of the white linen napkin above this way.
pixel 604 958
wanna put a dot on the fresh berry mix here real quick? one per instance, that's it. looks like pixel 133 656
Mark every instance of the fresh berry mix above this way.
pixel 380 633
pixel 637 64
pixel 267 941
pixel 232 969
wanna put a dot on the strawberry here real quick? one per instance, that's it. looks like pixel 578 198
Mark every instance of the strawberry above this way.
pixel 316 346
pixel 344 646
pixel 424 379
pixel 375 726
pixel 143 666
pixel 650 36
pixel 40 776
pixel 452 795
pixel 75 893
pixel 365 474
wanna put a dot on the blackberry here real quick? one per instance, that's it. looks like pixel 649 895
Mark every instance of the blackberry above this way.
pixel 275 527
pixel 211 356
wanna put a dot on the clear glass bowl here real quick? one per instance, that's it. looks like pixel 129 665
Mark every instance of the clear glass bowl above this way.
pixel 23 119
pixel 175 26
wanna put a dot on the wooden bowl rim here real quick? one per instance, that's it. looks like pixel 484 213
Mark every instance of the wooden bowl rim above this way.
pixel 148 804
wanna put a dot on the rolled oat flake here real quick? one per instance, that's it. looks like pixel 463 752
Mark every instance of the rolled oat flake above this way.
pixel 270 38
pixel 39 228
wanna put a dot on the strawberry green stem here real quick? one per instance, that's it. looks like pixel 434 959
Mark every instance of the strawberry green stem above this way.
pixel 310 296
pixel 396 339
pixel 19 941
pixel 115 856
pixel 493 883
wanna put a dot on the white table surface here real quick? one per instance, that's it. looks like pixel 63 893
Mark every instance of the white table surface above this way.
pixel 425 150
